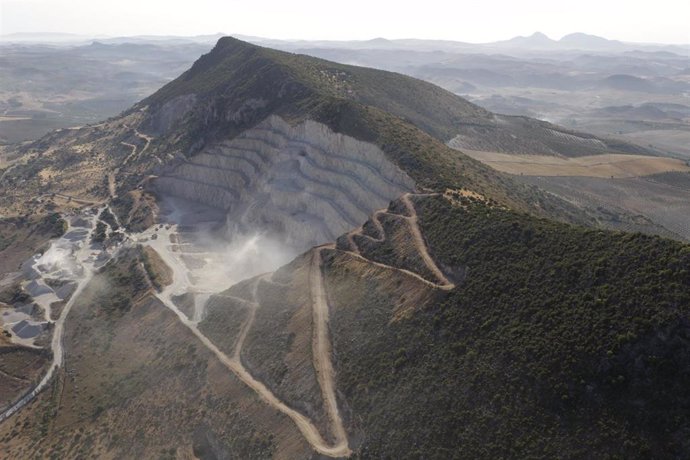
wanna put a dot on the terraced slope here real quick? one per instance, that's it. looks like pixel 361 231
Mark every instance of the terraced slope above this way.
pixel 451 322
pixel 304 182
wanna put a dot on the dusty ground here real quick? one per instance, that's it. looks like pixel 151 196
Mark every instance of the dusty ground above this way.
pixel 609 165
pixel 137 384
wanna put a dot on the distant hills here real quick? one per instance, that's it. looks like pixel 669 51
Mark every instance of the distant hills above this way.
pixel 237 85
pixel 580 41
pixel 538 41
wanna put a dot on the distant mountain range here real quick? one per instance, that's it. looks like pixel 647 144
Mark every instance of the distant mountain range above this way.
pixel 535 42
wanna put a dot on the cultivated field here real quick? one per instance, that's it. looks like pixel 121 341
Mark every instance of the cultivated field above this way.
pixel 674 140
pixel 608 165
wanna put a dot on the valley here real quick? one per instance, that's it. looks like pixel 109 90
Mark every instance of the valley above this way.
pixel 635 193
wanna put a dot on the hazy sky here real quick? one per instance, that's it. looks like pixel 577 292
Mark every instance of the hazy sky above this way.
pixel 663 21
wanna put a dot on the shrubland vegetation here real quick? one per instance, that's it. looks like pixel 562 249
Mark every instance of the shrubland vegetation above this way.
pixel 560 342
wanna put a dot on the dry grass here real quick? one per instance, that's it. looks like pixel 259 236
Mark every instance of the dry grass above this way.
pixel 607 165
pixel 137 384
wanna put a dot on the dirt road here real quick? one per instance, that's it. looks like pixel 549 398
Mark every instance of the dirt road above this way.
pixel 85 258
pixel 309 431
pixel 419 241
pixel 412 219
pixel 234 364
pixel 135 151
pixel 321 349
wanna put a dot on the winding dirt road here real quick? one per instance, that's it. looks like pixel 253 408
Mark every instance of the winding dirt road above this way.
pixel 412 219
pixel 234 364
pixel 321 343
pixel 135 151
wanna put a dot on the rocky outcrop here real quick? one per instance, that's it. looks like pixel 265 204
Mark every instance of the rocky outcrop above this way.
pixel 171 112
pixel 305 183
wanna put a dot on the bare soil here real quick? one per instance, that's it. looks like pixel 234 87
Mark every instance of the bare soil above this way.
pixel 607 165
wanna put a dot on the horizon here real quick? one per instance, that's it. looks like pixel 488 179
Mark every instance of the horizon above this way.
pixel 77 36
pixel 309 21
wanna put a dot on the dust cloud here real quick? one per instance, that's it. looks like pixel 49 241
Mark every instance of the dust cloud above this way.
pixel 207 255
pixel 233 256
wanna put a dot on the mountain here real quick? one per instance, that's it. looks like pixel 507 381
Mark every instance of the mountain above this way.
pixel 536 40
pixel 438 112
pixel 574 41
pixel 242 90
pixel 279 256
pixel 590 42
pixel 539 42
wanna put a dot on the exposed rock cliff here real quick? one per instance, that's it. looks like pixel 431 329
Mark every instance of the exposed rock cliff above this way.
pixel 305 183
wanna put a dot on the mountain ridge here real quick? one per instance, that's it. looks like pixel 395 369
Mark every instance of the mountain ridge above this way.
pixel 237 85
pixel 440 113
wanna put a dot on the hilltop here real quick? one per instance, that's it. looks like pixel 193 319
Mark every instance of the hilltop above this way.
pixel 296 86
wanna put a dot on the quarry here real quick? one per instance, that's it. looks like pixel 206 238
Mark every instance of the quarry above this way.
pixel 238 209
pixel 303 184
pixel 279 256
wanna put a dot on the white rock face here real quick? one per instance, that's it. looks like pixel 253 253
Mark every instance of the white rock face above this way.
pixel 305 183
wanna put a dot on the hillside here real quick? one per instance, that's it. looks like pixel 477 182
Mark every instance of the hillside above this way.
pixel 579 351
pixel 179 133
pixel 457 329
pixel 294 85
pixel 275 256
pixel 227 109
